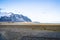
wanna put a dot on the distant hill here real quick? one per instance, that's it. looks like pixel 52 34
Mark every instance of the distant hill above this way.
pixel 15 18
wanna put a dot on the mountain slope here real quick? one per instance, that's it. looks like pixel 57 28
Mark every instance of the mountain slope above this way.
pixel 15 18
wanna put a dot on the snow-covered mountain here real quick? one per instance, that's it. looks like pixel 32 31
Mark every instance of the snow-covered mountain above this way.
pixel 15 18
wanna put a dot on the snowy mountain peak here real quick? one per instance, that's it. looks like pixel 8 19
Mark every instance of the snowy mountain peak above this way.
pixel 15 18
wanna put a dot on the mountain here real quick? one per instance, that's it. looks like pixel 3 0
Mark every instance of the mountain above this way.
pixel 5 18
pixel 15 18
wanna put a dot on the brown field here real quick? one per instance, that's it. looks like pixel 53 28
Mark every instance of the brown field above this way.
pixel 30 31
pixel 33 26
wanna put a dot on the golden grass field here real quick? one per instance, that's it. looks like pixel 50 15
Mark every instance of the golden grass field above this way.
pixel 30 31
pixel 33 26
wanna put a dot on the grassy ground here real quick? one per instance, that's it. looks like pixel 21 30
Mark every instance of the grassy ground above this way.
pixel 30 32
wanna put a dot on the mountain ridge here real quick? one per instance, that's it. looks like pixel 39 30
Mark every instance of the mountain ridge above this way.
pixel 15 18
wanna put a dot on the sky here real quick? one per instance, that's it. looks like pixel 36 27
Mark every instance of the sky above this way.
pixel 44 11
